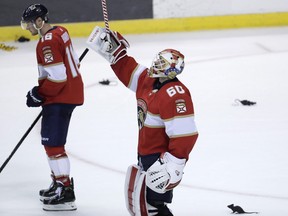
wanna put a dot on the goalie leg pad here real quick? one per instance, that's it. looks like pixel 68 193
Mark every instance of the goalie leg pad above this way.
pixel 135 191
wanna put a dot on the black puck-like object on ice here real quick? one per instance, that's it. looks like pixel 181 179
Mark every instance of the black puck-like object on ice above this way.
pixel 108 82
pixel 239 210
pixel 105 82
pixel 245 102
pixel 23 39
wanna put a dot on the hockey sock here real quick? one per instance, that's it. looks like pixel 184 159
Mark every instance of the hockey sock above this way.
pixel 59 163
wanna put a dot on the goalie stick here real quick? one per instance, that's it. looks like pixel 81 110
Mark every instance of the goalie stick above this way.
pixel 31 127
pixel 105 17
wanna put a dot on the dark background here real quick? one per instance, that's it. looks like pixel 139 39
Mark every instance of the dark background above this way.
pixel 69 11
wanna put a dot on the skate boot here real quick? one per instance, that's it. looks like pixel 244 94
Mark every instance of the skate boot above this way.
pixel 47 193
pixel 63 200
pixel 159 210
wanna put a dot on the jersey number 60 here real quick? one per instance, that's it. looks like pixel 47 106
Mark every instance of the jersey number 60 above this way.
pixel 174 90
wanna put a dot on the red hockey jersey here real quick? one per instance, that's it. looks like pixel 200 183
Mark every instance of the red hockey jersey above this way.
pixel 58 66
pixel 165 114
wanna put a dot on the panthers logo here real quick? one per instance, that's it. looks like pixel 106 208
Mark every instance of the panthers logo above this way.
pixel 141 112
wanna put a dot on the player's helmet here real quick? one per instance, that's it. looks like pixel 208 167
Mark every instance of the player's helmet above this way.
pixel 167 63
pixel 31 13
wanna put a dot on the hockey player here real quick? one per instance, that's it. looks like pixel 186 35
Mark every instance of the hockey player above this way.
pixel 59 91
pixel 167 131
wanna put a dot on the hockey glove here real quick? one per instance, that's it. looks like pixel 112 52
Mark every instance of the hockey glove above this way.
pixel 165 174
pixel 112 46
pixel 33 98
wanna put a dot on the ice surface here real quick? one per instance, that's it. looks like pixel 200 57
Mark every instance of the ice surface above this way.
pixel 240 156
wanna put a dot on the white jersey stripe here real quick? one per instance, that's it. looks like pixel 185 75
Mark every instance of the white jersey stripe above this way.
pixel 175 127
pixel 181 126
pixel 153 121
pixel 55 72
pixel 135 76
pixel 71 59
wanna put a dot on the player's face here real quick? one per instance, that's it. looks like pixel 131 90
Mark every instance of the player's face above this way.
pixel 29 25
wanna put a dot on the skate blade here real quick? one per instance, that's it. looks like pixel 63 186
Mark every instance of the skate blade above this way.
pixel 69 206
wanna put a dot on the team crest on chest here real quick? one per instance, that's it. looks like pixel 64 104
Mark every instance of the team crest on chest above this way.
pixel 141 112
pixel 180 106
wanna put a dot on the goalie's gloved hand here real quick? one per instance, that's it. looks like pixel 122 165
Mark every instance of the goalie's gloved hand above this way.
pixel 33 98
pixel 112 46
pixel 165 174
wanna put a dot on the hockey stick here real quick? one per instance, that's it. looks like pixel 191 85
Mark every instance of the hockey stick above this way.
pixel 105 15
pixel 83 54
pixel 20 142
pixel 31 127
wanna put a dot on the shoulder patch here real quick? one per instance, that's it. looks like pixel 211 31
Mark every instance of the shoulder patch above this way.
pixel 65 37
pixel 180 106
pixel 47 53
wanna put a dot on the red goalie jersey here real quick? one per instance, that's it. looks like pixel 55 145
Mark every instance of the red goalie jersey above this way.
pixel 165 111
pixel 59 77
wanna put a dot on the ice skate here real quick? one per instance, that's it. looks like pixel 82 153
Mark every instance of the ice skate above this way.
pixel 49 192
pixel 63 200
pixel 159 210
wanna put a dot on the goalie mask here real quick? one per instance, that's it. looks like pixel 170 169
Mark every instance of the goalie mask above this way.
pixel 167 63
pixel 31 13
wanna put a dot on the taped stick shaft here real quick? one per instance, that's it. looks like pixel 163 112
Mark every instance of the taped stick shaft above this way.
pixel 105 14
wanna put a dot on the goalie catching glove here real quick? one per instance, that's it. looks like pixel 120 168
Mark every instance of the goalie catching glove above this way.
pixel 165 174
pixel 111 45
